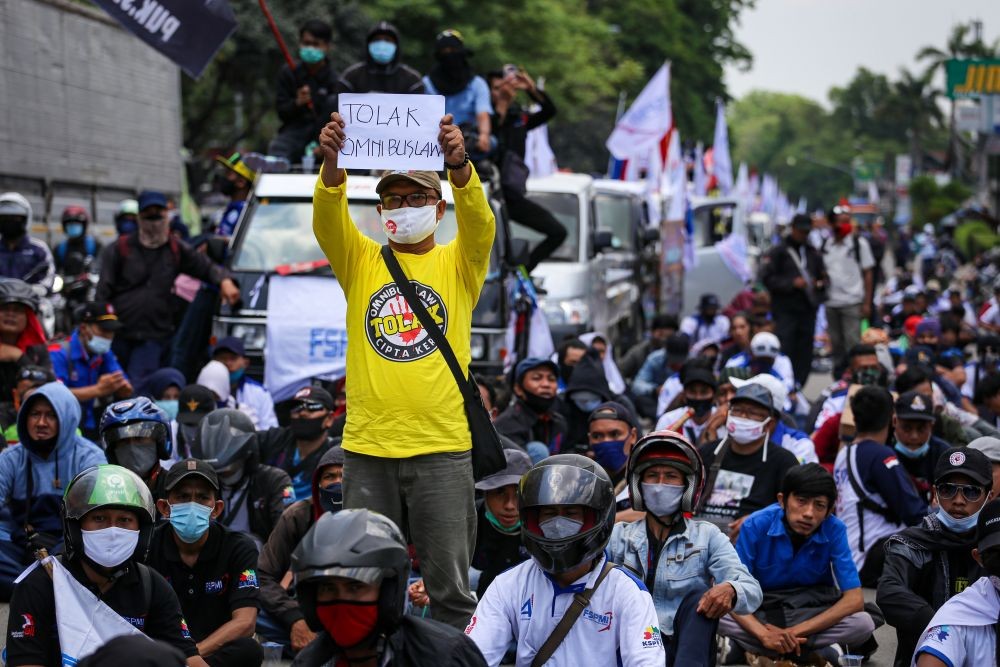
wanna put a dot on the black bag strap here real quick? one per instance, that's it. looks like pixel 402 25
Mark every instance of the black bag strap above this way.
pixel 713 473
pixel 433 330
pixel 864 502
pixel 580 602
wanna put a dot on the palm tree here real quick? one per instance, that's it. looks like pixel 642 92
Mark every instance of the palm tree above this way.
pixel 960 45
pixel 914 99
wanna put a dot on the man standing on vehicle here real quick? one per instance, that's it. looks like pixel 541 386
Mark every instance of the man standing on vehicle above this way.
pixel 794 273
pixel 382 70
pixel 137 277
pixel 401 439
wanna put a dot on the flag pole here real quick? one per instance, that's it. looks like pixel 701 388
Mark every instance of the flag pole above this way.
pixel 281 42
pixel 618 115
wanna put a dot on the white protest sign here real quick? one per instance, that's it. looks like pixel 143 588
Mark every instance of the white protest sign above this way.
pixel 306 333
pixel 398 132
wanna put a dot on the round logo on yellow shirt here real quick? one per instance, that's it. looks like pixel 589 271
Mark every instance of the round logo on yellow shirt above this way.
pixel 394 331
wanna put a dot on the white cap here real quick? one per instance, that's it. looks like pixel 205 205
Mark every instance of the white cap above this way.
pixel 765 344
pixel 779 394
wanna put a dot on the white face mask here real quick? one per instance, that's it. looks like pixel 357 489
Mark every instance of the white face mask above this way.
pixel 744 431
pixel 110 547
pixel 662 499
pixel 558 527
pixel 409 224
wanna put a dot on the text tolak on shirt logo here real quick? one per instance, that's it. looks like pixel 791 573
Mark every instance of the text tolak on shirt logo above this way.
pixel 394 331
pixel 604 620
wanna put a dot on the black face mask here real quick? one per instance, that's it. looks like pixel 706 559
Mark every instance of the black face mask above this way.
pixel 566 372
pixel 307 429
pixel 537 403
pixel 12 229
pixel 331 498
pixel 227 188
pixel 701 406
pixel 991 561
pixel 870 376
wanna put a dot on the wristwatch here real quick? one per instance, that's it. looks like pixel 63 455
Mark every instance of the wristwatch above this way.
pixel 459 165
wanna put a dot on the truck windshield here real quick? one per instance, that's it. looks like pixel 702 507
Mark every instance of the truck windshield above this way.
pixel 280 233
pixel 566 209
pixel 614 214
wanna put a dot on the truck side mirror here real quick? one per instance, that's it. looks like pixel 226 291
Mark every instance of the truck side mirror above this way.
pixel 519 252
pixel 603 240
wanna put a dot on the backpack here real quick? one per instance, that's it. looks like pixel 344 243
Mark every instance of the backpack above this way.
pixel 89 247
pixel 124 249
pixel 856 249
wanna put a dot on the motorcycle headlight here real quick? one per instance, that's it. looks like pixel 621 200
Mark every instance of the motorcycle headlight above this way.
pixel 254 336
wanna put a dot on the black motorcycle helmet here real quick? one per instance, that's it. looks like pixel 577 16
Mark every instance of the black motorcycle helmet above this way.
pixel 227 441
pixel 666 448
pixel 106 485
pixel 567 479
pixel 355 544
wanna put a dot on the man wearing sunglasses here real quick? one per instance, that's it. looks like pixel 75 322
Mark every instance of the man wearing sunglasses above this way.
pixel 297 448
pixel 927 564
pixel 406 429
pixel 137 278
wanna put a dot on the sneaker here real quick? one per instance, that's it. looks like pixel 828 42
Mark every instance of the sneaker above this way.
pixel 728 652
pixel 757 660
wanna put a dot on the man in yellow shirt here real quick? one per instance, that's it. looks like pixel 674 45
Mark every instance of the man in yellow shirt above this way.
pixel 406 441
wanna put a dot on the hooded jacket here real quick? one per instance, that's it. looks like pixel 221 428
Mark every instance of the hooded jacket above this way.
pixel 368 76
pixel 588 376
pixel 160 380
pixel 917 579
pixel 71 455
pixel 276 554
pixel 522 425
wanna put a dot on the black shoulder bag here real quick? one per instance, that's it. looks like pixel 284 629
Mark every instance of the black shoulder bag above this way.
pixel 487 453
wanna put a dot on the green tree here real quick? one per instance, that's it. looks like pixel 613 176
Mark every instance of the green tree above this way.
pixel 916 100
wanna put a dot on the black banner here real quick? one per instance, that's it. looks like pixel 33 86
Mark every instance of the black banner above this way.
pixel 188 32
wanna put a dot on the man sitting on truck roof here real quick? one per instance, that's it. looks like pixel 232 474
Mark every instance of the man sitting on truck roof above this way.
pixel 406 429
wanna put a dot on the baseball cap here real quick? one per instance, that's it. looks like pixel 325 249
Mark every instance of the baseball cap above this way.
pixel 779 393
pixel 754 393
pixel 929 326
pixel 518 463
pixel 314 395
pixel 149 198
pixel 765 344
pixel 914 405
pixel 988 526
pixel 989 446
pixel 965 461
pixel 526 365
pixel 933 285
pixel 919 355
pixel 188 468
pixel 232 344
pixel 102 314
pixel 708 301
pixel 194 402
pixel 613 410
pixel 425 179
pixel 692 373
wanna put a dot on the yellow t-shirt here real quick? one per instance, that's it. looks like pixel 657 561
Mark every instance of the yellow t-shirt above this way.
pixel 402 398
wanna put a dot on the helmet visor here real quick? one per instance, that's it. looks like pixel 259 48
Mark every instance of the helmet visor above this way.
pixel 147 430
pixel 368 575
pixel 559 485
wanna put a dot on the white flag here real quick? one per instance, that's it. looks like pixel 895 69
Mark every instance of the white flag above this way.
pixel 538 155
pixel 700 181
pixel 723 164
pixel 872 192
pixel 677 177
pixel 646 121
pixel 84 623
pixel 743 192
pixel 307 331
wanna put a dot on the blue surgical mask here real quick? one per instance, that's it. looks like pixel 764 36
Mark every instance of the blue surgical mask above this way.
pixel 908 453
pixel 190 520
pixel 236 376
pixel 331 498
pixel 99 345
pixel 957 525
pixel 311 55
pixel 610 454
pixel 170 407
pixel 74 230
pixel 382 51
pixel 126 227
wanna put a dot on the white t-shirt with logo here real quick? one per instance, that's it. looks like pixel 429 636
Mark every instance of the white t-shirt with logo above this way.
pixel 961 633
pixel 618 627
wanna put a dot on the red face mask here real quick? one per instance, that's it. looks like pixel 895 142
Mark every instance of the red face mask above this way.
pixel 844 229
pixel 348 622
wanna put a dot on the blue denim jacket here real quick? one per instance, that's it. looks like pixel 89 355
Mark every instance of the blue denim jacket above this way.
pixel 700 555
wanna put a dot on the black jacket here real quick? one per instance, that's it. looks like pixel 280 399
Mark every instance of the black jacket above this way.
pixel 588 375
pixel 368 76
pixel 512 129
pixel 270 493
pixel 779 271
pixel 917 578
pixel 495 551
pixel 303 121
pixel 418 642
pixel 523 425
pixel 139 281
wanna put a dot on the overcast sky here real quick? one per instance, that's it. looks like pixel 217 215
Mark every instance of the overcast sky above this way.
pixel 808 46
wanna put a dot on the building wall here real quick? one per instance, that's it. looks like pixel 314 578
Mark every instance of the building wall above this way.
pixel 86 109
